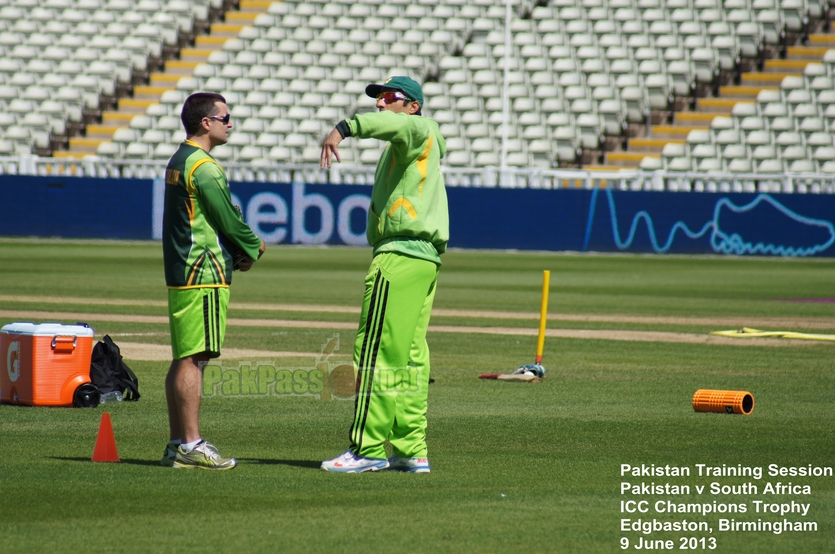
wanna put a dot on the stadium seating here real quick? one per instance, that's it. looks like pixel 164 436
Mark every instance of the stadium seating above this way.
pixel 785 130
pixel 65 60
pixel 584 77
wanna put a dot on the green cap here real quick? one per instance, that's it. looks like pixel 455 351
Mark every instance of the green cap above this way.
pixel 407 86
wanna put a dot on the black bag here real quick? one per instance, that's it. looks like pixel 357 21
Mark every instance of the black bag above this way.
pixel 110 373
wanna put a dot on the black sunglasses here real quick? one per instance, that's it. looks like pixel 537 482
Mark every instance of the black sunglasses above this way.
pixel 225 119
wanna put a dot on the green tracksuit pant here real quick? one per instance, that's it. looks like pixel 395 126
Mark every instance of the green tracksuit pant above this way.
pixel 392 357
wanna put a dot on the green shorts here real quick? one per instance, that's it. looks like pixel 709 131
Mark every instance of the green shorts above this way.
pixel 198 320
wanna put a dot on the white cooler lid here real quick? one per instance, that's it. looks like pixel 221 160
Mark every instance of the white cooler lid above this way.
pixel 47 329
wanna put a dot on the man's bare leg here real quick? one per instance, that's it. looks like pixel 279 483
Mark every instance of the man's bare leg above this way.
pixel 183 390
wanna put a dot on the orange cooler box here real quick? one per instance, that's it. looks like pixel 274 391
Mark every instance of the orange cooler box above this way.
pixel 42 364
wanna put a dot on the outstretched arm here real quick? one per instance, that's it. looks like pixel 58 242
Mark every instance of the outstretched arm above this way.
pixel 330 147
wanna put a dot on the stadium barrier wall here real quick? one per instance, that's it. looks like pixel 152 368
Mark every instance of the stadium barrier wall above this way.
pixel 577 219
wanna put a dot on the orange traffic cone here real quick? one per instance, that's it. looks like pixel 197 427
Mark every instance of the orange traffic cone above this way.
pixel 105 450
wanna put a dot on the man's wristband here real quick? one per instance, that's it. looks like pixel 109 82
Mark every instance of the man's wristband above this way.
pixel 343 128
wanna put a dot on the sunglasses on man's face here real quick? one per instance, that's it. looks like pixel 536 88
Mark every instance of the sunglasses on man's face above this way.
pixel 225 119
pixel 390 97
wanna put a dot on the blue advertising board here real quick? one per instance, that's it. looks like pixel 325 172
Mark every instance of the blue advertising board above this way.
pixel 788 225
pixel 600 220
pixel 75 207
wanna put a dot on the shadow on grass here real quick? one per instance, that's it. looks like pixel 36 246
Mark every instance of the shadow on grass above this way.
pixel 309 464
pixel 123 460
pixel 296 463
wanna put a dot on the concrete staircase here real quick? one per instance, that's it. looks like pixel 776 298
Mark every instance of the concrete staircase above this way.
pixel 751 83
pixel 160 82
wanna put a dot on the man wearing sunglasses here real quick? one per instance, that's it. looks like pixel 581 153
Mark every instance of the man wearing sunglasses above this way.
pixel 408 228
pixel 201 230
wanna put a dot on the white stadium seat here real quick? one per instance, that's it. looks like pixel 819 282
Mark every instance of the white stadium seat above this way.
pixel 579 70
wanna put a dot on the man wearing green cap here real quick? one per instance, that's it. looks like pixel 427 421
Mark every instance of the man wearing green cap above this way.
pixel 408 227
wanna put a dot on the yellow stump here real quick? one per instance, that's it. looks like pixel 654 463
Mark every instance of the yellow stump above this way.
pixel 543 315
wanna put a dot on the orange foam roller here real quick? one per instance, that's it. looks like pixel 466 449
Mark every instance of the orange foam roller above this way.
pixel 723 401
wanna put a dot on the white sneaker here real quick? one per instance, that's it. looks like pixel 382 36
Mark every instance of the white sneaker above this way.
pixel 412 465
pixel 204 455
pixel 348 462
pixel 169 456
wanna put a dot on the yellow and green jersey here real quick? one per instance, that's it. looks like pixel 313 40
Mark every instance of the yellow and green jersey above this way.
pixel 200 226
pixel 409 211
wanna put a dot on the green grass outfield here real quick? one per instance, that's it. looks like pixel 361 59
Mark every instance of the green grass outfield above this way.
pixel 515 467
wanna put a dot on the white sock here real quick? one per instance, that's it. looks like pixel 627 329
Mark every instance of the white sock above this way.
pixel 189 446
pixel 175 442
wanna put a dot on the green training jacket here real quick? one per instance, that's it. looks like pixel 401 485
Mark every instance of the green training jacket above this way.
pixel 200 226
pixel 408 212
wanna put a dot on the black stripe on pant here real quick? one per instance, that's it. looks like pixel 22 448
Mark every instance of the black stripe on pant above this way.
pixel 362 363
pixel 368 358
pixel 207 324
pixel 216 296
